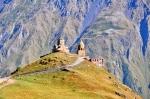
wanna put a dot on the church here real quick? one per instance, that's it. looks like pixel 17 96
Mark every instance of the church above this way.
pixel 81 51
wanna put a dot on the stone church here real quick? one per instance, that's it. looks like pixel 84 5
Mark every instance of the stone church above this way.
pixel 60 47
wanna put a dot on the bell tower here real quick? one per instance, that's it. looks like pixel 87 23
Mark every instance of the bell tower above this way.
pixel 81 49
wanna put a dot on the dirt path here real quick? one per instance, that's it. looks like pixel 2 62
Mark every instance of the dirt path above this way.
pixel 6 81
pixel 77 62
pixel 58 68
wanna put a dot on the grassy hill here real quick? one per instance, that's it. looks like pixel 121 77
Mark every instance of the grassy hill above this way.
pixel 48 78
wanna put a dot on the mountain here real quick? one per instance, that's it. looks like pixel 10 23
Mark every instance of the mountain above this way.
pixel 117 30
pixel 55 76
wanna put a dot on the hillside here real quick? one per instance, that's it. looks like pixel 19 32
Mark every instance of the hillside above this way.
pixel 117 30
pixel 64 76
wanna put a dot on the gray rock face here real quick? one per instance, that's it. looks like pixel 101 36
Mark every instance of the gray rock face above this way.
pixel 117 30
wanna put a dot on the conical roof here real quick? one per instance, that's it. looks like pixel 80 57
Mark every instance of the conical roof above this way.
pixel 82 44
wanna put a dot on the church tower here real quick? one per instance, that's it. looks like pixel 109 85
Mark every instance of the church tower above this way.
pixel 81 49
pixel 61 46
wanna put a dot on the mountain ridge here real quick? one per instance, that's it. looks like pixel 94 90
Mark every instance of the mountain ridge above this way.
pixel 29 29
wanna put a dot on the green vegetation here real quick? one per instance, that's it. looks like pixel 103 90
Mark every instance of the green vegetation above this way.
pixel 85 81
pixel 49 61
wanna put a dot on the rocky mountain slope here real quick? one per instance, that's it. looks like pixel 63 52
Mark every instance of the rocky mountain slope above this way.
pixel 55 76
pixel 117 30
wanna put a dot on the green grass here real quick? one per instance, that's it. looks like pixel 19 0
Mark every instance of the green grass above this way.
pixel 48 61
pixel 85 81
pixel 46 86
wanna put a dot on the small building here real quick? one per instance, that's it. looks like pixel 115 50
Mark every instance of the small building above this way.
pixel 97 61
pixel 60 47
pixel 81 49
